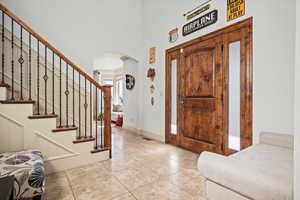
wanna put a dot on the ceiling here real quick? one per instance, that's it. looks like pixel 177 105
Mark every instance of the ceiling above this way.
pixel 108 61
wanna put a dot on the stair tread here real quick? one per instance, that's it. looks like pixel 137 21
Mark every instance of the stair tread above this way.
pixel 4 85
pixel 71 128
pixel 43 116
pixel 83 139
pixel 100 149
pixel 17 102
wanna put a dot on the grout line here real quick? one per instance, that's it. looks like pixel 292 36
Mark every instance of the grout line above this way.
pixel 74 196
pixel 124 186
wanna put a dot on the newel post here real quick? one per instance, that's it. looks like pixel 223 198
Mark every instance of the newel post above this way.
pixel 107 117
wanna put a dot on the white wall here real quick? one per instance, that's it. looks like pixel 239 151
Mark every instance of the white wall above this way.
pixel 131 97
pixel 83 30
pixel 297 107
pixel 273 57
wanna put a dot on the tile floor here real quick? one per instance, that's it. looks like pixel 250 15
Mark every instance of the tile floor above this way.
pixel 140 169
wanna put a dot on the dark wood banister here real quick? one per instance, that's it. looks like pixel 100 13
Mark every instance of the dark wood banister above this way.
pixel 49 46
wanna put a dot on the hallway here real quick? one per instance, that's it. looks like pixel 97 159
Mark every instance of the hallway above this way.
pixel 140 169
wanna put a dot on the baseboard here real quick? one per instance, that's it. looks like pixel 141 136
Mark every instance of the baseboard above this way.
pixel 146 134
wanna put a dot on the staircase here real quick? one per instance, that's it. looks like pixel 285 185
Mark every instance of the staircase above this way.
pixel 49 103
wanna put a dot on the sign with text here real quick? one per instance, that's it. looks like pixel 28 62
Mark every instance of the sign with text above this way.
pixel 235 9
pixel 200 23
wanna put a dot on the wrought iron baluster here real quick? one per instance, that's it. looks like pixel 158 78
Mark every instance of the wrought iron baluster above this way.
pixel 30 78
pixel 67 95
pixel 3 49
pixel 91 114
pixel 60 93
pixel 79 112
pixel 53 86
pixel 46 80
pixel 73 97
pixel 38 78
pixel 12 61
pixel 21 61
pixel 101 122
pixel 96 117
pixel 85 109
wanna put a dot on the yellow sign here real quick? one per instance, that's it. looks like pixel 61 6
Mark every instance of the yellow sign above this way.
pixel 235 9
pixel 152 56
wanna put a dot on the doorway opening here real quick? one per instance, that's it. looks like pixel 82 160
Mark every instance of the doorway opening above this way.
pixel 113 69
pixel 209 91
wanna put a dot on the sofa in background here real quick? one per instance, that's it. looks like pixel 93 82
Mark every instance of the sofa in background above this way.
pixel 261 172
pixel 117 110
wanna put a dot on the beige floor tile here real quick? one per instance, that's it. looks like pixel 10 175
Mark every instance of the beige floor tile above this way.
pixel 132 178
pixel 102 190
pixel 140 169
pixel 59 194
pixel 161 190
pixel 127 196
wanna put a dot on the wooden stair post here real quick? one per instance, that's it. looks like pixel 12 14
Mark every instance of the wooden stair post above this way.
pixel 107 117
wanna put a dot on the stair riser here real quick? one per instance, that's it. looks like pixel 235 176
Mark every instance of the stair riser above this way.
pixel 59 151
pixel 3 93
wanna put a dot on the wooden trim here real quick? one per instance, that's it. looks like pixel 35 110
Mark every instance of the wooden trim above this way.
pixel 99 149
pixel 4 85
pixel 65 129
pixel 107 115
pixel 42 116
pixel 83 139
pixel 49 46
pixel 18 102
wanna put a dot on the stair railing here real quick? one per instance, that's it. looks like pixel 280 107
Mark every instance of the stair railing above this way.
pixel 92 111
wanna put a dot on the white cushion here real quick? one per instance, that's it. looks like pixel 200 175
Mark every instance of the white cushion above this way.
pixel 261 172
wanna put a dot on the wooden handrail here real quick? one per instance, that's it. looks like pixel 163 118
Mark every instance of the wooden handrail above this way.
pixel 49 46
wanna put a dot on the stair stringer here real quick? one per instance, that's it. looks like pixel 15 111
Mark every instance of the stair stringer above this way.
pixel 58 149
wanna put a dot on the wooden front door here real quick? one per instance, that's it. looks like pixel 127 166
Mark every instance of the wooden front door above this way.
pixel 200 96
pixel 209 86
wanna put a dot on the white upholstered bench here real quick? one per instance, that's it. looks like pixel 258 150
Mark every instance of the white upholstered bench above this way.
pixel 261 172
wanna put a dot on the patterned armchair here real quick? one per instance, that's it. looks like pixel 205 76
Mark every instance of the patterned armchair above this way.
pixel 28 169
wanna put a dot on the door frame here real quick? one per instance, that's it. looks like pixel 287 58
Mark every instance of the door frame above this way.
pixel 175 52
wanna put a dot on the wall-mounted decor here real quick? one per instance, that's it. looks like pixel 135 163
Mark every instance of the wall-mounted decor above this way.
pixel 151 73
pixel 198 12
pixel 152 101
pixel 195 9
pixel 152 89
pixel 235 9
pixel 152 55
pixel 173 35
pixel 130 82
pixel 200 23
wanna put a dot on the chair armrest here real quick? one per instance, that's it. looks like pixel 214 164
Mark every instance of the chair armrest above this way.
pixel 277 139
pixel 238 176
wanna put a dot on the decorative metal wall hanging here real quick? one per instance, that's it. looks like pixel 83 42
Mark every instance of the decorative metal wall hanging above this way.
pixel 152 89
pixel 173 35
pixel 152 55
pixel 235 9
pixel 200 23
pixel 198 12
pixel 130 82
pixel 151 73
pixel 152 101
pixel 190 12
